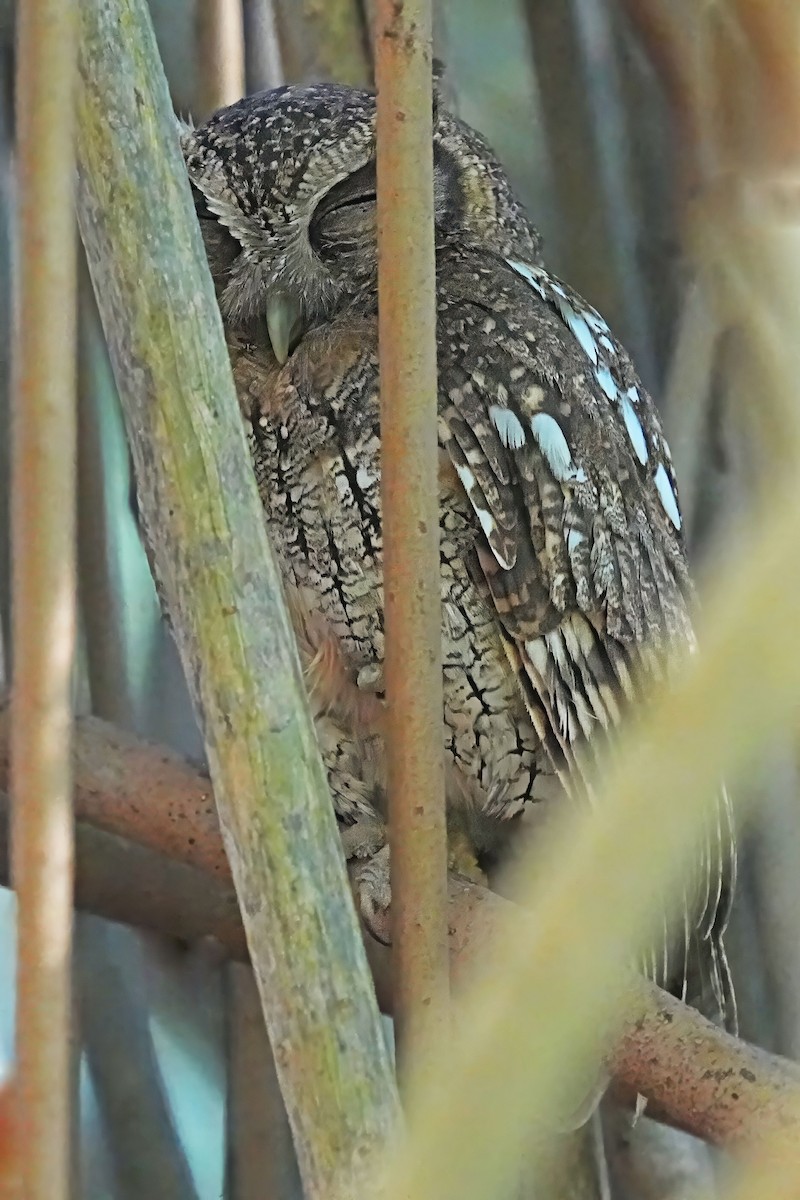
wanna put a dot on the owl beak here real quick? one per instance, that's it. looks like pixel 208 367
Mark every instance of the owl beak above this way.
pixel 284 323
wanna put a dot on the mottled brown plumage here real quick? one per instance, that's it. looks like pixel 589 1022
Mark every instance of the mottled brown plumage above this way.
pixel 564 580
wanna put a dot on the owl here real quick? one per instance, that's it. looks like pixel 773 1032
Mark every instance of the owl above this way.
pixel 563 574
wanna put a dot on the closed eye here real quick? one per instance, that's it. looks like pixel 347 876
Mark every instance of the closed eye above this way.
pixel 358 188
pixel 345 218
pixel 349 202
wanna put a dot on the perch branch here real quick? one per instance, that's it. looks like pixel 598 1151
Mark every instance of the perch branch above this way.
pixel 202 516
pixel 695 1076
pixel 122 881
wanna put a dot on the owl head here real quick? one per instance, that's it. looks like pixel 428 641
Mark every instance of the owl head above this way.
pixel 284 185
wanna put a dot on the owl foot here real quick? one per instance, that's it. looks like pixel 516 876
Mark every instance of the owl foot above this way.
pixel 367 840
pixel 374 894
pixel 363 839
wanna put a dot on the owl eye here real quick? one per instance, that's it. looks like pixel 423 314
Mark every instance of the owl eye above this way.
pixel 345 216
pixel 349 225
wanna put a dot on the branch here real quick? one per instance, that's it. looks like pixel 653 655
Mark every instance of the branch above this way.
pixel 323 41
pixel 696 1077
pixel 204 522
pixel 117 879
pixel 412 589
pixel 43 586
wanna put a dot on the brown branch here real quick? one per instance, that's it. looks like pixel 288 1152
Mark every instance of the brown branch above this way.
pixel 695 1076
pixel 144 793
pixel 410 506
pixel 117 879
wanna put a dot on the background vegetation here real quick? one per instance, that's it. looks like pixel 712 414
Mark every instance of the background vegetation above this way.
pixel 583 103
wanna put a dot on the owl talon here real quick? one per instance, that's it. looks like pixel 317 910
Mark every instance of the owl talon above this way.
pixel 374 893
pixel 363 839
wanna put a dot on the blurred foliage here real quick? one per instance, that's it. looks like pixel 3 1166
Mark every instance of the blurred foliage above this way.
pixel 596 140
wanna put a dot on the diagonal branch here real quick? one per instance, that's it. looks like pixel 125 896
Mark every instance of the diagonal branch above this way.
pixel 695 1076
pixel 200 508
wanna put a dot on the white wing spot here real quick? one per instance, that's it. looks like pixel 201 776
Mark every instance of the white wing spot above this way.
pixel 466 476
pixel 487 521
pixel 668 498
pixel 489 527
pixel 606 381
pixel 574 539
pixel 537 653
pixel 598 323
pixel 527 274
pixel 555 448
pixel 578 325
pixel 365 478
pixel 635 431
pixel 633 394
pixel 508 425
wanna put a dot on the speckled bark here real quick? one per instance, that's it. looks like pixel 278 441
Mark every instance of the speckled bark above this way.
pixel 200 508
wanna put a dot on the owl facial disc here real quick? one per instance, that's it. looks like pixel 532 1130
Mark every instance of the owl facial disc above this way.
pixel 284 323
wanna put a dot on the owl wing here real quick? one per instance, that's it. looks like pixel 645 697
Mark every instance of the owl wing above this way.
pixel 561 454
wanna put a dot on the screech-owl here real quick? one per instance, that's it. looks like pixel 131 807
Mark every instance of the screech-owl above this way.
pixel 564 578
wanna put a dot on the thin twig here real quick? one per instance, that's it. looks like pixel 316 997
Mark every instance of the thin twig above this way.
pixel 43 595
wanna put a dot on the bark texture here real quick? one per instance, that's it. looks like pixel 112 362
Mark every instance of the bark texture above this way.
pixel 203 521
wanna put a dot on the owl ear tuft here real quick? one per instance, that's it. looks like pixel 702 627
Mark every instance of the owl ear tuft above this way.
pixel 185 133
pixel 444 93
pixel 439 73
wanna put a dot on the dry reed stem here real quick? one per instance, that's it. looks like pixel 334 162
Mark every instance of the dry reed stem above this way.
pixel 220 52
pixel 410 504
pixel 43 591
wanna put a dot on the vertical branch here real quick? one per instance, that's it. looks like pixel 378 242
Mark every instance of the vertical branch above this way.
pixel 43 591
pixel 410 495
pixel 220 53
pixel 323 40
pixel 200 508
pixel 588 141
pixel 6 301
pixel 262 51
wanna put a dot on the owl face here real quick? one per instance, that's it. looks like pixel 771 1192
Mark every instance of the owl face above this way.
pixel 285 189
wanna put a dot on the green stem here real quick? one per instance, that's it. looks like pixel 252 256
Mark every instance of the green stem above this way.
pixel 204 524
